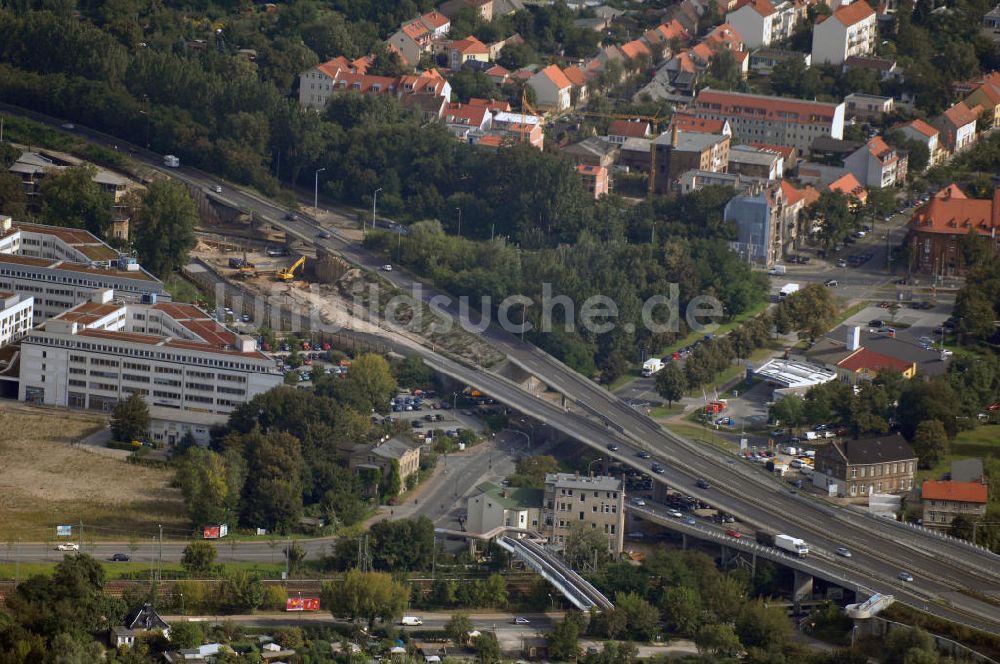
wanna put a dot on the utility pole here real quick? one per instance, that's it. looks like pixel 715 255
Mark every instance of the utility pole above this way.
pixel 374 203
pixel 81 536
pixel 459 221
pixel 159 561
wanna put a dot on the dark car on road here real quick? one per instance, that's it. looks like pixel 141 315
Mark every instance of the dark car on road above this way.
pixel 658 468
pixel 120 558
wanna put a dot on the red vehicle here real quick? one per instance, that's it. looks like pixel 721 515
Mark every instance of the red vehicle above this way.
pixel 306 346
pixel 735 534
pixel 326 346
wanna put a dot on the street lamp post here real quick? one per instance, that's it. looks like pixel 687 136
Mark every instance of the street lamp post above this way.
pixel 374 203
pixel 459 221
pixel 590 465
pixel 316 188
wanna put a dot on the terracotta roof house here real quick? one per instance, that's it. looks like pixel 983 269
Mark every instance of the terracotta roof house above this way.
pixel 463 50
pixel 578 78
pixel 945 500
pixel 918 130
pixel 318 83
pixel 958 126
pixel 552 89
pixel 864 364
pixel 594 178
pixel 619 130
pixel 498 75
pixel 688 122
pixel 848 185
pixel 877 165
pixel 938 225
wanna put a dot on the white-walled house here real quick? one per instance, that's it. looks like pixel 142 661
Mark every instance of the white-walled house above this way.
pixel 849 31
pixel 552 89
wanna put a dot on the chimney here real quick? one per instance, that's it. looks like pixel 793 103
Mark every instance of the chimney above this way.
pixel 853 337
pixel 674 134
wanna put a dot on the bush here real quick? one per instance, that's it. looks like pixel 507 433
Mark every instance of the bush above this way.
pixel 275 597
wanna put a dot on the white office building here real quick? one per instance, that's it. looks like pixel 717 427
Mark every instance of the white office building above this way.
pixel 62 267
pixel 15 316
pixel 191 371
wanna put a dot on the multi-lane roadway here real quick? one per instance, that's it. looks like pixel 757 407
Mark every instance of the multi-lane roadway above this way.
pixel 955 579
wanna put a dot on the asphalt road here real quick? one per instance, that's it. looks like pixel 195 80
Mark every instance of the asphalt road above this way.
pixel 953 576
pixel 501 622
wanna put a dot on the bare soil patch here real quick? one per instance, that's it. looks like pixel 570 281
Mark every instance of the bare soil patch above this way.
pixel 46 479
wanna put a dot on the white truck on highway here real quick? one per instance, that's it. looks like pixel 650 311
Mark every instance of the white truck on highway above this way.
pixel 792 545
pixel 651 366
pixel 171 161
pixel 787 290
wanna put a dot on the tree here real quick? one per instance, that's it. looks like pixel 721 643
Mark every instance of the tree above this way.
pixel 186 634
pixel 762 626
pixel 682 610
pixel 211 484
pixel 962 527
pixel 199 558
pixel 718 640
pixel 788 411
pixel 811 309
pixel 671 383
pixel 13 201
pixel 641 617
pixel 242 591
pixel 930 442
pixel 71 198
pixel 163 227
pixel 563 640
pixel 457 628
pixel 530 471
pixel 295 554
pixel 832 209
pixel 130 419
pixel 403 545
pixel 369 384
pixel 272 493
pixel 487 648
pixel 585 546
pixel 366 596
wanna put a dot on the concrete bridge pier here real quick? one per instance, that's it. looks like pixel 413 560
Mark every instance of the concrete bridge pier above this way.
pixel 802 588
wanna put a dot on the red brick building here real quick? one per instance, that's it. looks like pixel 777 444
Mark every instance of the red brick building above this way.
pixel 938 226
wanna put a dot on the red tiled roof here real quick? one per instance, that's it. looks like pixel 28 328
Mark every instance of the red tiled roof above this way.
pixel 575 76
pixel 951 191
pixel 762 7
pixel 465 114
pixel 867 359
pixel 854 13
pixel 491 141
pixel 416 31
pixel 847 184
pixel 469 45
pixel 665 32
pixel 587 169
pixel 736 103
pixel 991 91
pixel 922 127
pixel 785 151
pixel 961 115
pixel 725 36
pixel 628 128
pixel 497 70
pixel 959 492
pixel 558 78
pixel 435 19
pixel 634 49
pixel 692 123
pixel 879 148
pixel 704 52
pixel 957 215
pixel 791 194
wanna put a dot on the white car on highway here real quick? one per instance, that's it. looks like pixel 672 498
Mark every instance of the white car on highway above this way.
pixel 68 546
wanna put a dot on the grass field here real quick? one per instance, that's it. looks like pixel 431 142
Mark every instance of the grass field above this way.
pixel 45 480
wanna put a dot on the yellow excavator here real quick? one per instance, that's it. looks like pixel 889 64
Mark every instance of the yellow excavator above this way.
pixel 287 274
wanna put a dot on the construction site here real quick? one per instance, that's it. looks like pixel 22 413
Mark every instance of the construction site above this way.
pixel 268 278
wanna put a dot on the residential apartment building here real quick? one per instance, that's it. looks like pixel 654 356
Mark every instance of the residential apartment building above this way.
pixel 762 23
pixel 510 128
pixel 620 130
pixel 498 507
pixel 592 151
pixel 595 179
pixel 597 503
pixel 777 120
pixel 945 500
pixel 958 127
pixel 938 226
pixel 318 83
pixel 190 370
pixel 677 152
pixel 918 130
pixel 878 165
pixel 760 225
pixel 62 267
pixel 877 464
pixel 15 316
pixel 849 31
pixel 764 60
pixel 552 89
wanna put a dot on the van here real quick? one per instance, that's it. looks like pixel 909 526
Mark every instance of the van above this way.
pixel 777 270
pixel 411 621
